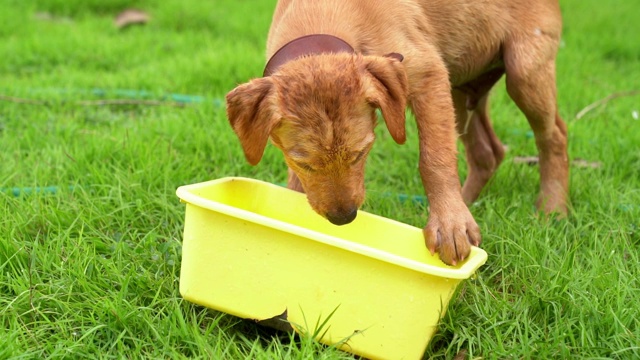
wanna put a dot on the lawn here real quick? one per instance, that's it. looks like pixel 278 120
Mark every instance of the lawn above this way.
pixel 90 240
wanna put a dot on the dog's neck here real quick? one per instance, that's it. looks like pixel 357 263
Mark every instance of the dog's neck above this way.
pixel 306 45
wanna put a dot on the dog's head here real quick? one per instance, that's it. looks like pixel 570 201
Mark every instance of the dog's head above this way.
pixel 320 111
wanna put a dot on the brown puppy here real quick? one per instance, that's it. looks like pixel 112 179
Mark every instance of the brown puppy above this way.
pixel 317 101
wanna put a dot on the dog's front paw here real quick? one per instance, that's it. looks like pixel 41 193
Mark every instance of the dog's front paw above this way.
pixel 451 231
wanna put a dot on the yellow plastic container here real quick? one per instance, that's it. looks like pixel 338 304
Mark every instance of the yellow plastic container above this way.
pixel 258 251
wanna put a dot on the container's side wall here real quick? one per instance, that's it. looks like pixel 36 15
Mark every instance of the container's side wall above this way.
pixel 225 265
pixel 256 272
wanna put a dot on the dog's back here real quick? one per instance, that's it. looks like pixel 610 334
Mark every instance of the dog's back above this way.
pixel 468 34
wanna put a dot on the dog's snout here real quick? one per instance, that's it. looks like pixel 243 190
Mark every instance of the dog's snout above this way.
pixel 342 217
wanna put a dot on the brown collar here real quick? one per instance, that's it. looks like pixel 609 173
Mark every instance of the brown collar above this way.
pixel 306 45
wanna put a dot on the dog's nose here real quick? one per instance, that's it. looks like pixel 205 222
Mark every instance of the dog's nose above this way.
pixel 343 217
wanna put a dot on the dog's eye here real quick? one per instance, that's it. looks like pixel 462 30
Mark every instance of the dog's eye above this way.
pixel 304 166
pixel 359 157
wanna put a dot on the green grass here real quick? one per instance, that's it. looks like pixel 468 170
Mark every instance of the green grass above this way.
pixel 92 271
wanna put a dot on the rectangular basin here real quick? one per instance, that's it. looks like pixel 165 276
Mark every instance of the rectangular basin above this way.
pixel 258 251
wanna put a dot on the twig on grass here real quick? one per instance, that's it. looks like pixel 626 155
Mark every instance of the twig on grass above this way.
pixel 577 162
pixel 96 102
pixel 605 100
pixel 21 101
pixel 129 102
pixel 69 156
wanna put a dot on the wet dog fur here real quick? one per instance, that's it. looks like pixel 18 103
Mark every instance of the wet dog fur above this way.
pixel 320 109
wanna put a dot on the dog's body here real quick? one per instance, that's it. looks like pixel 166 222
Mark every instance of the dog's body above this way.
pixel 319 109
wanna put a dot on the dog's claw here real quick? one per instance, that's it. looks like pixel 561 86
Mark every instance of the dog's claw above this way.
pixel 432 240
pixel 451 234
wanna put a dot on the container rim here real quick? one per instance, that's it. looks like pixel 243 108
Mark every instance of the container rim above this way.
pixel 462 271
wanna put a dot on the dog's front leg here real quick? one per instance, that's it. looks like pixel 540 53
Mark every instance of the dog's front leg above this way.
pixel 293 182
pixel 451 229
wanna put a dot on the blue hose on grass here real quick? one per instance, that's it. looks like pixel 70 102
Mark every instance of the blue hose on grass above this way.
pixel 53 190
pixel 130 94
pixel 416 199
pixel 19 191
pixel 185 99
pixel 143 94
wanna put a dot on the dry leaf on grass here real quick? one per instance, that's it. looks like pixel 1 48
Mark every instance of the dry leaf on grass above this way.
pixel 46 16
pixel 131 17
pixel 462 355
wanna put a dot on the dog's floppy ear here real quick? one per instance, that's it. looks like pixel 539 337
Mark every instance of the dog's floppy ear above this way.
pixel 252 115
pixel 389 91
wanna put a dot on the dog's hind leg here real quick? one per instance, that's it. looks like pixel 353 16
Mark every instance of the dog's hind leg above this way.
pixel 483 149
pixel 531 83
